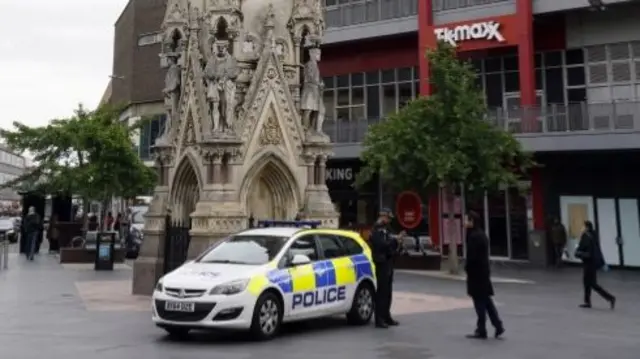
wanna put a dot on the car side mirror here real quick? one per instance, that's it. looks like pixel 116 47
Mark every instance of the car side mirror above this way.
pixel 300 259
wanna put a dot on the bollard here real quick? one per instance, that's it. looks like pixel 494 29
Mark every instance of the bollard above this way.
pixel 4 253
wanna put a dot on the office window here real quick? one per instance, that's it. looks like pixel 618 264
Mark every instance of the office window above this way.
pixel 359 99
pixel 148 135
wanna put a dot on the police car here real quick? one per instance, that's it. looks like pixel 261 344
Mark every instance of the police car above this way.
pixel 260 278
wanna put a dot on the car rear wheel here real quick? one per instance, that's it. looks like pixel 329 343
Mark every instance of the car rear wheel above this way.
pixel 267 317
pixel 178 333
pixel 362 307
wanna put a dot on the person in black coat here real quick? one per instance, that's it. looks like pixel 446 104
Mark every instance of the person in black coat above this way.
pixel 590 253
pixel 479 286
pixel 383 249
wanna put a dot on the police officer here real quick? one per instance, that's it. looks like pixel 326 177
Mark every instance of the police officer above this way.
pixel 383 247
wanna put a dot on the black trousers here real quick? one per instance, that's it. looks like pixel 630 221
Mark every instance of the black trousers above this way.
pixel 484 306
pixel 559 251
pixel 384 279
pixel 590 282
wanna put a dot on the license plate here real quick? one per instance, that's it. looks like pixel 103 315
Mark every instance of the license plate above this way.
pixel 180 307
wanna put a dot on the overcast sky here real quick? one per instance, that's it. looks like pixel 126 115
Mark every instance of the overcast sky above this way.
pixel 54 54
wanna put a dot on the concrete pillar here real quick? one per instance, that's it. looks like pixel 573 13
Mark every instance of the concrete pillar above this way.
pixel 322 171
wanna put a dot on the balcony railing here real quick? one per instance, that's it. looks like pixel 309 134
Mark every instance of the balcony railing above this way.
pixel 575 119
pixel 443 5
pixel 364 11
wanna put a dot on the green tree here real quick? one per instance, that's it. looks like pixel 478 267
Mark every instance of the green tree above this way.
pixel 89 154
pixel 443 141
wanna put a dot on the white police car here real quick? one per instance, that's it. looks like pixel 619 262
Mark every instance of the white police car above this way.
pixel 259 278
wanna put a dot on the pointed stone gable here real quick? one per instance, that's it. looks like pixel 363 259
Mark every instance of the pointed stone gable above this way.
pixel 269 90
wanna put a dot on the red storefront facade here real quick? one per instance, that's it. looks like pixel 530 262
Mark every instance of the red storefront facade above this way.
pixel 484 37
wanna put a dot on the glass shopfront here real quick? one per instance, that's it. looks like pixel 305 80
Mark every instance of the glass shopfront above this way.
pixel 507 217
pixel 358 207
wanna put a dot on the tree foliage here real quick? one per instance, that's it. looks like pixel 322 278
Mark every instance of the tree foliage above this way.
pixel 443 140
pixel 89 154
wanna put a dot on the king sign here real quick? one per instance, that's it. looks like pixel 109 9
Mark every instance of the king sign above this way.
pixel 487 30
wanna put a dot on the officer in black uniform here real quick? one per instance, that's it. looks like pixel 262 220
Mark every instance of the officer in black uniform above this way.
pixel 383 248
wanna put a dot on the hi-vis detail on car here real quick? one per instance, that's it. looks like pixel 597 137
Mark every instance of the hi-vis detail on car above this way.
pixel 487 30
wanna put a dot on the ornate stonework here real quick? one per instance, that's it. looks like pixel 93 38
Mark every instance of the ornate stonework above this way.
pixel 271 133
pixel 235 145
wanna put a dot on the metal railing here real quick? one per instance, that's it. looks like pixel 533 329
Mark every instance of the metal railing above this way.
pixel 365 11
pixel 443 5
pixel 552 119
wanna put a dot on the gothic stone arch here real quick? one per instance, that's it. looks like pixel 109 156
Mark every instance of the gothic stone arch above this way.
pixel 270 189
pixel 185 189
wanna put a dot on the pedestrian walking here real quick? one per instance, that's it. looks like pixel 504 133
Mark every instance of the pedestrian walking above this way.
pixel 479 286
pixel 590 253
pixel 33 227
pixel 558 240
pixel 383 249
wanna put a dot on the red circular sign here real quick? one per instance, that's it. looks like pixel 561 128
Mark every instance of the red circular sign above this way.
pixel 409 209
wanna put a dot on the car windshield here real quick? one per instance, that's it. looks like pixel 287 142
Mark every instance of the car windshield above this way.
pixel 245 249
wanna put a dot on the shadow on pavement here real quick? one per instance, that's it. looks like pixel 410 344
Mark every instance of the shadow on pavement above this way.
pixel 288 331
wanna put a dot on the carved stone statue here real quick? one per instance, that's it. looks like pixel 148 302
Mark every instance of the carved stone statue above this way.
pixel 172 83
pixel 230 73
pixel 213 74
pixel 311 100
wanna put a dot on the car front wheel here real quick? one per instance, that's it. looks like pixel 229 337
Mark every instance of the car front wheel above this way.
pixel 362 307
pixel 267 317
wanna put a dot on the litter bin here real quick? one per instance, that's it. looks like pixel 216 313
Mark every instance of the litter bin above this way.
pixel 105 250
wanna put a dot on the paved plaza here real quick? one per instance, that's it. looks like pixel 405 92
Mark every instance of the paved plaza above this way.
pixel 70 311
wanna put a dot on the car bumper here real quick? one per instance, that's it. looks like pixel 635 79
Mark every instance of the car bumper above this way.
pixel 211 312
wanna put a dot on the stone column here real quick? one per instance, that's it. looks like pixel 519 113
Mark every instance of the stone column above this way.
pixel 217 170
pixel 322 171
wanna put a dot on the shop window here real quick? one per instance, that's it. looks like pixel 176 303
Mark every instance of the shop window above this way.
pixel 512 82
pixel 511 63
pixel 493 64
pixel 373 101
pixel 405 94
pixel 576 76
pixel 553 59
pixel 574 57
pixel 342 81
pixel 373 77
pixel 329 82
pixel 357 79
pixel 357 96
pixel 404 74
pixel 388 99
pixel 343 97
pixel 389 76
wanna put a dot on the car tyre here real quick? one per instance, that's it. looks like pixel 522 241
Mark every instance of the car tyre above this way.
pixel 362 306
pixel 267 317
pixel 177 333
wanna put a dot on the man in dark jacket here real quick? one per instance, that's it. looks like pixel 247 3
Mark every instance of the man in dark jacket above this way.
pixel 479 286
pixel 383 248
pixel 559 240
pixel 32 226
pixel 590 253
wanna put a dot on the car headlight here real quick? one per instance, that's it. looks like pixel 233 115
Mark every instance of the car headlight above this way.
pixel 230 288
pixel 159 286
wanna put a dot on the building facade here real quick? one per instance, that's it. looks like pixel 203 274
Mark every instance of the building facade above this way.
pixel 562 75
pixel 12 166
